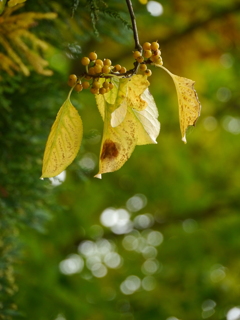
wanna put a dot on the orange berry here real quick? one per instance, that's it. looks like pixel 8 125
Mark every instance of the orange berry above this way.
pixel 143 67
pixel 111 85
pixel 99 61
pixel 105 84
pixel 147 54
pixel 106 69
pixel 85 61
pixel 72 79
pixel 107 62
pixel 78 87
pixel 98 68
pixel 92 56
pixel 159 61
pixel 156 52
pixel 96 84
pixel 91 71
pixel 147 46
pixel 102 90
pixel 154 45
pixel 136 54
pixel 140 59
pixel 148 72
pixel 123 70
pixel 85 84
pixel 117 67
pixel 94 90
pixel 155 58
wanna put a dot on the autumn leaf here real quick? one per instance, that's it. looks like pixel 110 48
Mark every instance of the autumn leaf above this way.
pixel 189 105
pixel 64 140
pixel 131 120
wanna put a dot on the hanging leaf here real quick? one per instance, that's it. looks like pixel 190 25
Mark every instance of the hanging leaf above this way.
pixel 63 141
pixel 189 105
pixel 130 121
pixel 148 124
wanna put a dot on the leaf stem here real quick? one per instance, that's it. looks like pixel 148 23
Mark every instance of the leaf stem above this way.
pixel 134 25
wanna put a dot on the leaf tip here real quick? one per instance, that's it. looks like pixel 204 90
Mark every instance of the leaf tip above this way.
pixel 98 176
pixel 184 139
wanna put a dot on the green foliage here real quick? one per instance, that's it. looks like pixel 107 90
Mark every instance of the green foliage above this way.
pixel 190 194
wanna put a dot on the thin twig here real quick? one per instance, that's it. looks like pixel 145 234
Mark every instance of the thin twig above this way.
pixel 134 26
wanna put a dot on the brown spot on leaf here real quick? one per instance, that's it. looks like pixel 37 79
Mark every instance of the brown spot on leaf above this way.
pixel 109 150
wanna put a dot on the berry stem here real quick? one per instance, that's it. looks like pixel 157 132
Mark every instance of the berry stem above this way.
pixel 134 26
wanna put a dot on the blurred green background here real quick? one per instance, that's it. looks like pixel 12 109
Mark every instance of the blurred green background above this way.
pixel 158 239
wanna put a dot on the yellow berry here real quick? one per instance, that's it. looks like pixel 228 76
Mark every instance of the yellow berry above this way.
pixel 94 90
pixel 102 90
pixel 140 59
pixel 147 46
pixel 85 84
pixel 99 61
pixel 72 79
pixel 92 56
pixel 159 61
pixel 154 45
pixel 98 68
pixel 148 72
pixel 78 87
pixel 156 52
pixel 107 62
pixel 117 67
pixel 111 85
pixel 96 84
pixel 155 58
pixel 143 67
pixel 85 61
pixel 147 54
pixel 105 84
pixel 123 70
pixel 136 54
pixel 106 69
pixel 91 71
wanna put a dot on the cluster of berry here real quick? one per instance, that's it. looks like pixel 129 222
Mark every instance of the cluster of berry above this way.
pixel 97 68
pixel 95 85
pixel 151 54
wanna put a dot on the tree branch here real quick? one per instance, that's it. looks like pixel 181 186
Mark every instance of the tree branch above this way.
pixel 134 25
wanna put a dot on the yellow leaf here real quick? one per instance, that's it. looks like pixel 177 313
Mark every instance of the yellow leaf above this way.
pixel 130 121
pixel 137 85
pixel 114 97
pixel 63 141
pixel 189 105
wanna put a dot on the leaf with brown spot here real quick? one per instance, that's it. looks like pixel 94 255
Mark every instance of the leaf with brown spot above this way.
pixel 130 121
pixel 63 141
pixel 189 105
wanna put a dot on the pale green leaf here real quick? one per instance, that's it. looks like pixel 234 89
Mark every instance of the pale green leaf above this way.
pixel 148 124
pixel 63 141
pixel 114 96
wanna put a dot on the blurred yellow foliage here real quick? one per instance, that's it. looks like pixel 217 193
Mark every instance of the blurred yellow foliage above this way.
pixel 19 48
